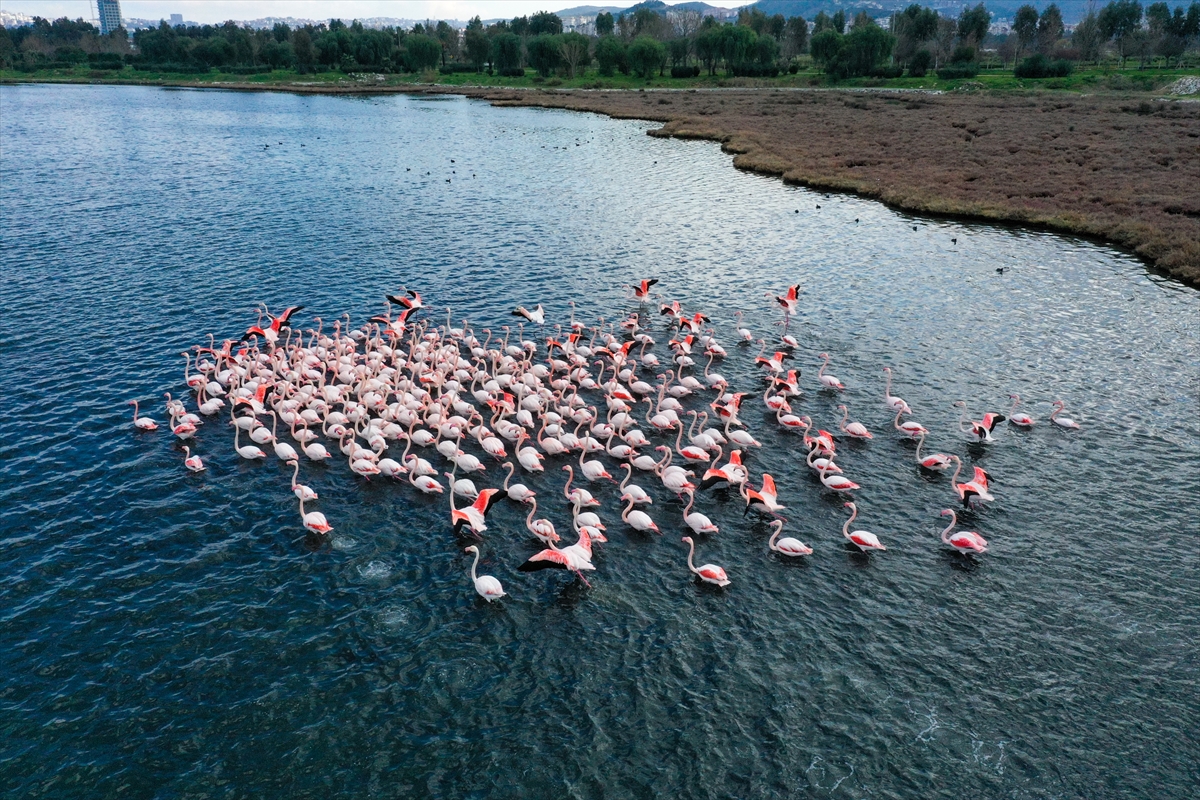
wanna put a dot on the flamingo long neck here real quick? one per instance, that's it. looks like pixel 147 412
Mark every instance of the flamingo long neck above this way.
pixel 920 444
pixel 628 475
pixel 1057 410
pixel 953 522
pixel 679 440
pixel 778 526
pixel 295 473
pixel 302 514
pixel 958 469
pixel 846 526
pixel 691 552
pixel 625 513
pixel 474 564
pixel 570 477
pixel 508 477
pixel 845 416
pixel 896 423
pixel 532 511
pixel 662 465
pixel 888 391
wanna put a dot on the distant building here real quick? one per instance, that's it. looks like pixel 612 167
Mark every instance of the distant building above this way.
pixel 176 19
pixel 109 12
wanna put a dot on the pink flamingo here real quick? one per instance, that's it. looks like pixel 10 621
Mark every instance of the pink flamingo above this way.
pixel 787 546
pixel 1019 419
pixel 142 423
pixel 937 461
pixel 709 573
pixel 697 521
pixel 314 520
pixel 865 540
pixel 486 586
pixel 962 541
pixel 855 429
pixel 827 381
pixel 637 519
pixel 910 428
pixel 192 462
pixel 1062 422
pixel 976 487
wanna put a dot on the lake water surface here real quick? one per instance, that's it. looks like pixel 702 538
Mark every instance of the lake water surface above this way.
pixel 166 634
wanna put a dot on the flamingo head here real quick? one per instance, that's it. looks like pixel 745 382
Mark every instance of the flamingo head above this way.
pixel 960 404
pixel 947 513
pixel 823 355
pixel 887 369
pixel 1014 397
pixel 688 539
pixel 850 505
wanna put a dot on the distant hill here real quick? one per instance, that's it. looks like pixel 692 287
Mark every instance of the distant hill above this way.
pixel 1072 10
pixel 654 5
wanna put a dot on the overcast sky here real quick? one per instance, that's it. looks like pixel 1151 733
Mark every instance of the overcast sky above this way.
pixel 220 10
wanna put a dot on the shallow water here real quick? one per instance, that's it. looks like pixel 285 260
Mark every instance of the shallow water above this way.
pixel 168 634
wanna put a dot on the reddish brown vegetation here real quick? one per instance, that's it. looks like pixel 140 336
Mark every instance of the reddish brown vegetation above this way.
pixel 1126 170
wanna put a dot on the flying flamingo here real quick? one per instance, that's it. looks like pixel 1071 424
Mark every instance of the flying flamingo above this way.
pixel 575 558
pixel 142 423
pixel 192 462
pixel 765 498
pixel 486 586
pixel 472 515
pixel 709 573
pixel 935 461
pixel 787 546
pixel 865 540
pixel 300 490
pixel 1019 419
pixel 977 487
pixel 697 521
pixel 638 520
pixel 314 520
pixel 962 541
pixel 827 381
pixel 893 402
pixel 979 431
pixel 1062 422
pixel 855 429
pixel 642 290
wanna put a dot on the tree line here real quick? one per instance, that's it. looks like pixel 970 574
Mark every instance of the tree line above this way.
pixel 643 43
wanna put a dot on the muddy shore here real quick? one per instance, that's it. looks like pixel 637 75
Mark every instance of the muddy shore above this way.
pixel 1121 168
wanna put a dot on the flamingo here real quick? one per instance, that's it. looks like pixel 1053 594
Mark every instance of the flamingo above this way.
pixel 642 290
pixel 837 483
pixel 583 495
pixel 541 528
pixel 893 402
pixel 473 515
pixel 980 431
pixel 744 334
pixel 1062 422
pixel 463 487
pixel 316 451
pixel 142 423
pixel 709 573
pixel 424 483
pixel 248 452
pixel 1018 419
pixel 690 453
pixel 537 316
pixel 300 490
pixel 827 381
pixel 486 586
pixel 855 429
pixel 865 540
pixel 314 520
pixel 934 461
pixel 192 462
pixel 787 546
pixel 910 428
pixel 575 558
pixel 638 520
pixel 817 462
pixel 631 491
pixel 962 541
pixel 283 451
pixel 697 521
pixel 593 470
pixel 518 491
pixel 977 487
pixel 765 498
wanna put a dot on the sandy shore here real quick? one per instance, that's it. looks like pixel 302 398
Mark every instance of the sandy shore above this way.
pixel 1124 169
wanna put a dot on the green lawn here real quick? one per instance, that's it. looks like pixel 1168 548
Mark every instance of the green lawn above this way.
pixel 1001 80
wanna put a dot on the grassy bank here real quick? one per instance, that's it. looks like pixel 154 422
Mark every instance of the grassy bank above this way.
pixel 1109 78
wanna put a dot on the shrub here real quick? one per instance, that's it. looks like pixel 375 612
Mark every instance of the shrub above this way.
pixel 645 55
pixel 793 68
pixel 1038 66
pixel 957 71
pixel 963 54
pixel 921 61
pixel 511 72
pixel 754 70
pixel 455 69
pixel 685 72
pixel 891 71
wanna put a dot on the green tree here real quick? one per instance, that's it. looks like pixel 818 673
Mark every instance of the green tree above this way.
pixel 476 43
pixel 575 51
pixel 543 53
pixel 281 32
pixel 604 24
pixel 610 54
pixel 448 38
pixel 822 22
pixel 796 38
pixel 839 21
pixel 1050 28
pixel 545 22
pixel 303 46
pixel 913 27
pixel 421 52
pixel 646 55
pixel 520 26
pixel 973 25
pixel 506 51
pixel 825 47
pixel 709 45
pixel 1122 21
pixel 1025 27
pixel 776 27
pixel 739 45
pixel 679 50
pixel 753 18
pixel 1087 38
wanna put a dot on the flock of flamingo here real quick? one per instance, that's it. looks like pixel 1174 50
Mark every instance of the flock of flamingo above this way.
pixel 405 379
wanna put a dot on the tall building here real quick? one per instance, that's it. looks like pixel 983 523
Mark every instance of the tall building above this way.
pixel 109 12
pixel 176 19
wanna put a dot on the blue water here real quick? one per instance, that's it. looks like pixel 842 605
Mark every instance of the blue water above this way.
pixel 166 634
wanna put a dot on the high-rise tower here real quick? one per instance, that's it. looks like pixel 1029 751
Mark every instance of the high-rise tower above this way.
pixel 109 12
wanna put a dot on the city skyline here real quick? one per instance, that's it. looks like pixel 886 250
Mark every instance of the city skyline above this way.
pixel 220 10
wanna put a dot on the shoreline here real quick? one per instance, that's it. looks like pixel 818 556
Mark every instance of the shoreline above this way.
pixel 1135 190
